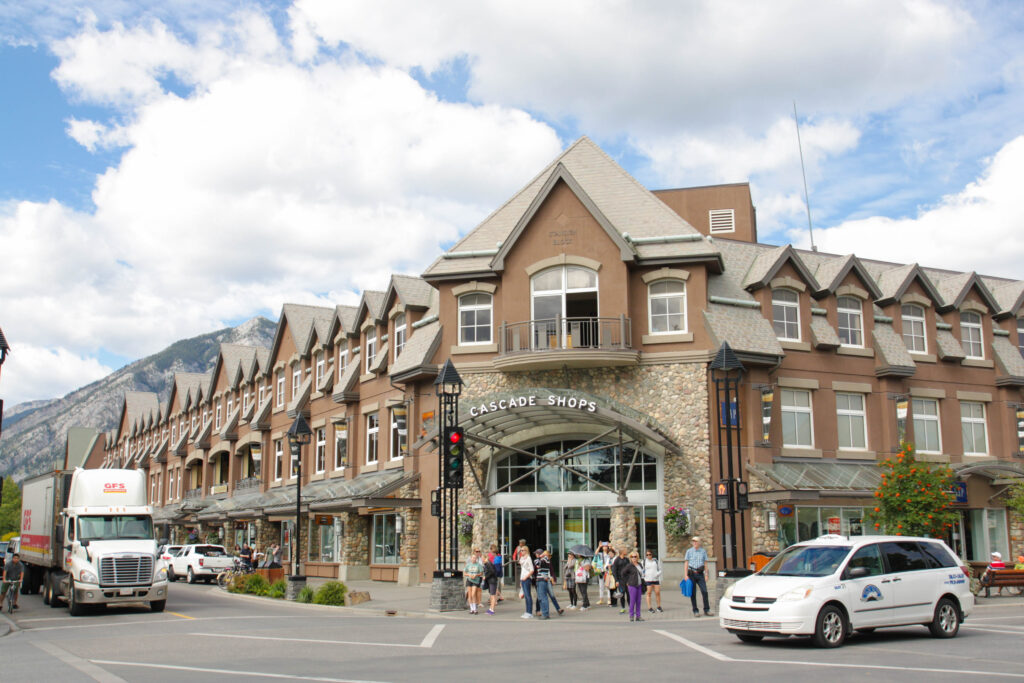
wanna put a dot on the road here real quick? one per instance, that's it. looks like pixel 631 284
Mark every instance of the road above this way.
pixel 207 635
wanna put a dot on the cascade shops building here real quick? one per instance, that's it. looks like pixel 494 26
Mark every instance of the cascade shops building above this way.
pixel 582 316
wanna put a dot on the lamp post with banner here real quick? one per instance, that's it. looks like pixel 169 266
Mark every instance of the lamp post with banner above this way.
pixel 731 490
pixel 299 434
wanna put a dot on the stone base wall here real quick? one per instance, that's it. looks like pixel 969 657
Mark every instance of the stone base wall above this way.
pixel 355 550
pixel 762 539
pixel 1016 522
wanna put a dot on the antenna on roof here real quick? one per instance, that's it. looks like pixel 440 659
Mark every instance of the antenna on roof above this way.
pixel 807 200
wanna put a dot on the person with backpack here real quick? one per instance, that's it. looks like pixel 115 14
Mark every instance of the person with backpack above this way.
pixel 495 558
pixel 652 576
pixel 490 581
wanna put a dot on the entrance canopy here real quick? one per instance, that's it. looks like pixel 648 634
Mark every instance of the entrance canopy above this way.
pixel 810 480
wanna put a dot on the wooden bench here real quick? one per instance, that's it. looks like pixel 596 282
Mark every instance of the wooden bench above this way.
pixel 1003 578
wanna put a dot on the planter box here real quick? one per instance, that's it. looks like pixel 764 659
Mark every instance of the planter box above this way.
pixel 271 575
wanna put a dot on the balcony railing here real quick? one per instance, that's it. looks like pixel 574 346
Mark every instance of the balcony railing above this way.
pixel 194 493
pixel 247 483
pixel 565 334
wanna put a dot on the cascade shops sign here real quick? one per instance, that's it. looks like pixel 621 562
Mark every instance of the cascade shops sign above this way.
pixel 552 400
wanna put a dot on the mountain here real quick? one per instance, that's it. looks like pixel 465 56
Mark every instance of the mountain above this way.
pixel 34 432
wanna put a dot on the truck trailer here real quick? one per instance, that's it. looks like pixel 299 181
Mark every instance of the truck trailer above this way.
pixel 87 539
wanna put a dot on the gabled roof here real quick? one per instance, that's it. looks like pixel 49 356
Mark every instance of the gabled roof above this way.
pixel 80 443
pixel 893 283
pixel 136 405
pixel 371 305
pixel 623 207
pixel 414 361
pixel 767 265
pixel 304 323
pixel 1009 296
pixel 344 321
pixel 831 273
pixel 188 387
pixel 413 292
pixel 233 359
pixel 954 288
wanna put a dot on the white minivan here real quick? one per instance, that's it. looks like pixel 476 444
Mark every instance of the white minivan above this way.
pixel 834 585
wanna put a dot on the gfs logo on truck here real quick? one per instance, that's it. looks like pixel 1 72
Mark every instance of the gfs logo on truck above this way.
pixel 26 520
pixel 114 487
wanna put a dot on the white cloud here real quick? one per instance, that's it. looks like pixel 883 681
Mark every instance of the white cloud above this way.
pixel 975 229
pixel 267 181
pixel 32 372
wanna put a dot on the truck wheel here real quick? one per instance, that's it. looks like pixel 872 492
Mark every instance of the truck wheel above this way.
pixel 55 592
pixel 191 576
pixel 171 578
pixel 47 591
pixel 157 605
pixel 76 608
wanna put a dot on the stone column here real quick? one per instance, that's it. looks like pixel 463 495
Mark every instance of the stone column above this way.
pixel 408 572
pixel 229 535
pixel 355 555
pixel 485 528
pixel 623 527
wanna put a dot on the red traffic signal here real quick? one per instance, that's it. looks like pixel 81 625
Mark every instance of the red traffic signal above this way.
pixel 455 436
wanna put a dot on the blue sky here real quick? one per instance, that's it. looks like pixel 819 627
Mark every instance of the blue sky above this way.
pixel 158 159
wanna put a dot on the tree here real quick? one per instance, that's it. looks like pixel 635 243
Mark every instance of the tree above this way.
pixel 914 498
pixel 10 510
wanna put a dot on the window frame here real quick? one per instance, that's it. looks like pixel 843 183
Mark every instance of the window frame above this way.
pixel 851 413
pixel 340 463
pixel 321 367
pixel 850 313
pixel 967 331
pixel 372 437
pixel 651 297
pixel 278 459
pixel 370 344
pixel 279 394
pixel 342 361
pixel 320 457
pixel 779 306
pixel 1020 335
pixel 397 443
pixel 796 410
pixel 381 521
pixel 217 418
pixel 476 326
pixel 975 422
pixel 909 319
pixel 296 379
pixel 923 417
pixel 400 331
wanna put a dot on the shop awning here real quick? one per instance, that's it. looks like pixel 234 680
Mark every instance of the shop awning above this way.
pixel 1000 472
pixel 810 480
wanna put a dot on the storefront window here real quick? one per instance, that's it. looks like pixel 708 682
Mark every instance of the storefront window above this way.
pixel 386 547
pixel 647 529
pixel 596 463
pixel 810 522
pixel 986 533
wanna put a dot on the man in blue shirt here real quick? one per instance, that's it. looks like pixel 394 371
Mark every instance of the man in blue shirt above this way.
pixel 695 568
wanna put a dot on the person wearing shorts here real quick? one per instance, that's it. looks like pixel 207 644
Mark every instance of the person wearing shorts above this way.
pixel 652 576
pixel 474 573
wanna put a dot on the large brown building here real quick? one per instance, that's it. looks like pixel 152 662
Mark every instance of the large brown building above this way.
pixel 582 316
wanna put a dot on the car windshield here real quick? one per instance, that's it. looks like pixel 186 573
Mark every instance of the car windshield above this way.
pixel 807 560
pixel 111 527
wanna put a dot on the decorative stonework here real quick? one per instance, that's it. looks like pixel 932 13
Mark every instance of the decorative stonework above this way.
pixel 673 397
pixel 1016 522
pixel 623 528
pixel 762 539
pixel 485 529
pixel 356 544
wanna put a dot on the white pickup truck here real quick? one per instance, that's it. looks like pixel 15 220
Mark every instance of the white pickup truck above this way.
pixel 201 561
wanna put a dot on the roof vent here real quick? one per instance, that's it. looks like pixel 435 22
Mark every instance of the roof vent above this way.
pixel 722 220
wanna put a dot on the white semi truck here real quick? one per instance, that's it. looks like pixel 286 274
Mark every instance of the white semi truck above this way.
pixel 87 539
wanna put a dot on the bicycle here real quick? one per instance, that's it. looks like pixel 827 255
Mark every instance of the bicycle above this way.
pixel 10 589
pixel 225 577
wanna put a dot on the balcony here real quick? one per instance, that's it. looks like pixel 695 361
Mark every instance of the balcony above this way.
pixel 194 493
pixel 248 483
pixel 572 342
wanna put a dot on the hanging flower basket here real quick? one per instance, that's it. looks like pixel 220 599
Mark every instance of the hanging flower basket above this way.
pixel 677 522
pixel 465 527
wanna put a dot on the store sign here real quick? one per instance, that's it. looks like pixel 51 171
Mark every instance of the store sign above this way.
pixel 786 510
pixel 729 417
pixel 324 520
pixel 835 525
pixel 552 400
pixel 959 492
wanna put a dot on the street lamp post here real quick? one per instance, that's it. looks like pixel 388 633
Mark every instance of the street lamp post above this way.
pixel 447 592
pixel 299 434
pixel 727 371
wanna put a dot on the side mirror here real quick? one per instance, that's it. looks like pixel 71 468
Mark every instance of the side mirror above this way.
pixel 858 572
pixel 84 543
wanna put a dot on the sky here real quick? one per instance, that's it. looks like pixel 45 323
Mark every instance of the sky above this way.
pixel 169 168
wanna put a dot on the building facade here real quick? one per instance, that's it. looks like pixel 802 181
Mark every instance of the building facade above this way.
pixel 582 316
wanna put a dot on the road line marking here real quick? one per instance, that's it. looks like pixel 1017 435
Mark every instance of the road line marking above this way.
pixel 993 630
pixel 694 646
pixel 986 619
pixel 183 616
pixel 229 672
pixel 785 662
pixel 301 640
pixel 168 621
pixel 90 669
pixel 428 640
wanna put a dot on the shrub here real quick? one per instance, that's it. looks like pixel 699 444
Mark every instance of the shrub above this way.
pixel 278 589
pixel 237 584
pixel 914 498
pixel 331 593
pixel 257 585
pixel 305 595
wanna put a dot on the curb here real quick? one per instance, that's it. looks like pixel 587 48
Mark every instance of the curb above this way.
pixel 362 611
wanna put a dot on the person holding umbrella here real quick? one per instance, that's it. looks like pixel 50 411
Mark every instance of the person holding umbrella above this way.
pixel 582 573
pixel 569 578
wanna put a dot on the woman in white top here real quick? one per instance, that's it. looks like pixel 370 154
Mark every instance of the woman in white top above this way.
pixel 526 579
pixel 604 557
pixel 652 576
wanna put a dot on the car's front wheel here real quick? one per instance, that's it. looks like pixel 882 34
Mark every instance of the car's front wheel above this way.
pixel 946 620
pixel 830 630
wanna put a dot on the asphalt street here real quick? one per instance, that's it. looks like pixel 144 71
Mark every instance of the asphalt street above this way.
pixel 207 635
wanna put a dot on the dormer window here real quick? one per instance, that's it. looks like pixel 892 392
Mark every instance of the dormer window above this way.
pixel 217 425
pixel 913 328
pixel 667 306
pixel 296 379
pixel 1020 335
pixel 342 361
pixel 321 364
pixel 399 333
pixel 786 314
pixel 475 318
pixel 280 388
pixel 371 347
pixel 851 321
pixel 970 334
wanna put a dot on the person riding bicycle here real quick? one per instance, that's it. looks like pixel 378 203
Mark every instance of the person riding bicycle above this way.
pixel 14 571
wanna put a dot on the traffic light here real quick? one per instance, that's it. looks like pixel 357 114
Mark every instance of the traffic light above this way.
pixel 454 457
pixel 435 503
pixel 723 495
pixel 741 496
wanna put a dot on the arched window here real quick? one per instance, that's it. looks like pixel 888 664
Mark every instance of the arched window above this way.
pixel 596 461
pixel 912 317
pixel 970 334
pixel 851 321
pixel 475 314
pixel 564 307
pixel 666 306
pixel 786 314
